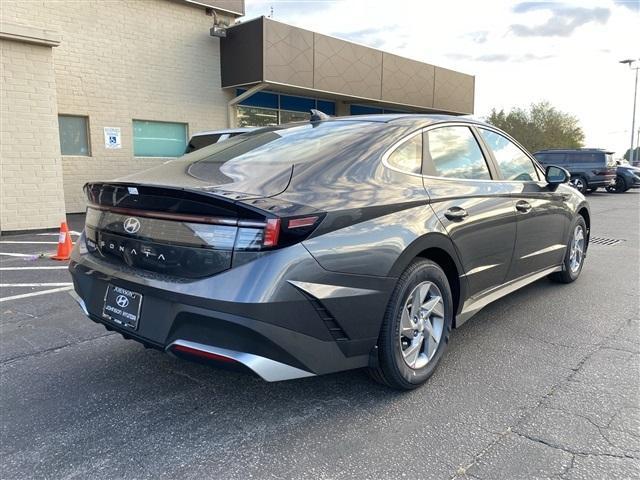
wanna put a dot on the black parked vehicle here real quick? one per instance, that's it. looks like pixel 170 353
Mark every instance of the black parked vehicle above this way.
pixel 590 168
pixel 336 244
pixel 203 139
pixel 627 176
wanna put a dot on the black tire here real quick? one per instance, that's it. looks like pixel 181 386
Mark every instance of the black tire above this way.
pixel 567 274
pixel 392 369
pixel 620 185
pixel 580 184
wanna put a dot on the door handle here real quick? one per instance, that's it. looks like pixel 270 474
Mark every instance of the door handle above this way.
pixel 523 206
pixel 456 213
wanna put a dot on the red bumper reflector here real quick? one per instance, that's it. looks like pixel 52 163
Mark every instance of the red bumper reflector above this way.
pixel 201 353
pixel 302 222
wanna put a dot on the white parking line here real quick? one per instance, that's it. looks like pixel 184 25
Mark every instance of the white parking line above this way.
pixel 33 294
pixel 72 232
pixel 30 255
pixel 61 267
pixel 59 284
pixel 16 242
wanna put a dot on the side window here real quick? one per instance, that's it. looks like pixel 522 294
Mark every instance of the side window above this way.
pixel 455 153
pixel 512 161
pixel 543 157
pixel 408 156
pixel 557 158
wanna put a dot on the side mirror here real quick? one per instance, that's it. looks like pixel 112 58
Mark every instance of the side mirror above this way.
pixel 556 175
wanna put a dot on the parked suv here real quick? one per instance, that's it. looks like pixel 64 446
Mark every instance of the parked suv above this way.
pixel 590 168
pixel 310 248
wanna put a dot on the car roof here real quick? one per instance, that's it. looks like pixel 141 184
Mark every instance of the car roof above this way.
pixel 573 150
pixel 408 119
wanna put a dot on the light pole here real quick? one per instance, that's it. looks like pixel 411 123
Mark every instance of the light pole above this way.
pixel 634 65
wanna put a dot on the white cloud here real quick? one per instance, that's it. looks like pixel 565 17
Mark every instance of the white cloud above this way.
pixel 566 53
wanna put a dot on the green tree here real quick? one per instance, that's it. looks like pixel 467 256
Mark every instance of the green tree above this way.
pixel 627 154
pixel 539 126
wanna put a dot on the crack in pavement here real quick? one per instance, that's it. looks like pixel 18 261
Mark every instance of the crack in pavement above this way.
pixel 17 358
pixel 462 470
pixel 569 450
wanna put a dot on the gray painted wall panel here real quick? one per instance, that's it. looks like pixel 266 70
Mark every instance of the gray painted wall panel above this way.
pixel 407 81
pixel 454 91
pixel 347 68
pixel 288 55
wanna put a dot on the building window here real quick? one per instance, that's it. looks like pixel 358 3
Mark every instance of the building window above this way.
pixel 268 108
pixel 74 135
pixel 159 139
pixel 369 110
pixel 256 117
pixel 288 117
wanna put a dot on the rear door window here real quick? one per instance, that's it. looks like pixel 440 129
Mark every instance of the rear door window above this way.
pixel 513 163
pixel 453 152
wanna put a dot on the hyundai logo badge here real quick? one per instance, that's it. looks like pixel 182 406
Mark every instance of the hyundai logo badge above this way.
pixel 131 225
pixel 122 301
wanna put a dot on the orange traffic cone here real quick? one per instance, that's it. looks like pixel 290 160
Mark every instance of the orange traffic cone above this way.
pixel 64 243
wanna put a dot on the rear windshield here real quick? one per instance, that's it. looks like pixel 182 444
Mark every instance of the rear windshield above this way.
pixel 276 147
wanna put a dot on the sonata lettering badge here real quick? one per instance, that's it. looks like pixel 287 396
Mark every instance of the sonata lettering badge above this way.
pixel 122 306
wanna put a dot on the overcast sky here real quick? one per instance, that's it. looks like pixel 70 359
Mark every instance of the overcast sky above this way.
pixel 519 52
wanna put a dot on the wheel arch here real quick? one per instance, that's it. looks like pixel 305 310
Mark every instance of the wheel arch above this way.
pixel 438 248
pixel 583 211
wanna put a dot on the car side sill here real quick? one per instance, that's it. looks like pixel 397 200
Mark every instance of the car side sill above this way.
pixel 268 369
pixel 474 305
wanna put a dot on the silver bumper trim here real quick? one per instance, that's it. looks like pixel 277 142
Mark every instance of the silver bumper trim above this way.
pixel 269 370
pixel 80 302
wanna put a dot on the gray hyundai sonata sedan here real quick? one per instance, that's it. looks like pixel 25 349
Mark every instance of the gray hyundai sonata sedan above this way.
pixel 316 247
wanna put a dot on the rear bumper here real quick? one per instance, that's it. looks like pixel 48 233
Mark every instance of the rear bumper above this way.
pixel 265 315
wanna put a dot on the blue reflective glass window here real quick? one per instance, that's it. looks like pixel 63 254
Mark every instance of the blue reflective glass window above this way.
pixel 362 110
pixel 327 107
pixel 259 99
pixel 296 104
pixel 159 139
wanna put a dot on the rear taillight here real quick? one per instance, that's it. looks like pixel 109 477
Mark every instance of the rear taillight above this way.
pixel 274 232
pixel 271 233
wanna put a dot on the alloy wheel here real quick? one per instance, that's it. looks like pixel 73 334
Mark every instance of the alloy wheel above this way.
pixel 421 325
pixel 578 184
pixel 576 254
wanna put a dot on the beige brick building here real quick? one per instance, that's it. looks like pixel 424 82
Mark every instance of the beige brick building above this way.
pixel 151 68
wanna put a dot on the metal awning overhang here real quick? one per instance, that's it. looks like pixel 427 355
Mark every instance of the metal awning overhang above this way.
pixel 288 59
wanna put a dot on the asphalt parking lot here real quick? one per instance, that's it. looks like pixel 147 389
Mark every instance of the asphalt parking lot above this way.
pixel 542 384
